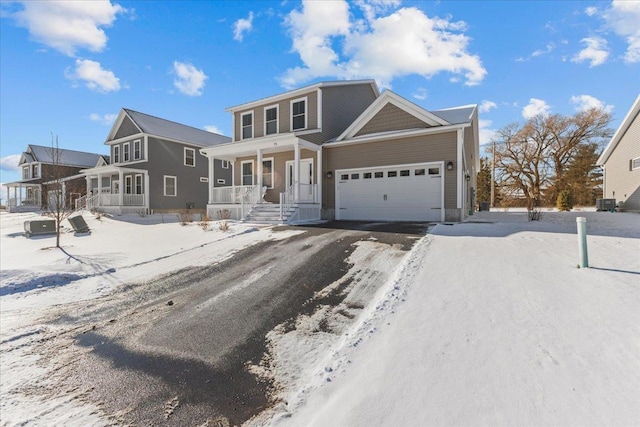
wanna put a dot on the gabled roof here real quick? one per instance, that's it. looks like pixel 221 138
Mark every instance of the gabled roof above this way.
pixel 457 115
pixel 386 98
pixel 39 153
pixel 167 129
pixel 302 90
pixel 629 118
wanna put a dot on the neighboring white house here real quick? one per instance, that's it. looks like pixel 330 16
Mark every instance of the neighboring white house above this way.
pixel 620 162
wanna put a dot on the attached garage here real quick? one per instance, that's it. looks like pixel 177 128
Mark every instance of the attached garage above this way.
pixel 412 192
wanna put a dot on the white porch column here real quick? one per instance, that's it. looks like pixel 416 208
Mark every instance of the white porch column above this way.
pixel 99 189
pixel 88 180
pixel 296 171
pixel 259 169
pixel 212 181
pixel 146 191
pixel 121 188
pixel 319 173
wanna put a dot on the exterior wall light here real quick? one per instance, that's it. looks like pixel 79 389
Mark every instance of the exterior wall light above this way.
pixel 449 165
pixel 329 175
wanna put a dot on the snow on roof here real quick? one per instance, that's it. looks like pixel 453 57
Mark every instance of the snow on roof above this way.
pixel 39 153
pixel 172 130
pixel 456 115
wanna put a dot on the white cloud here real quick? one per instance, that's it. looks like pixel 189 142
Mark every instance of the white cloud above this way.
pixel 385 47
pixel 242 26
pixel 591 10
pixel 486 106
pixel 587 102
pixel 105 119
pixel 421 94
pixel 94 76
pixel 623 17
pixel 596 51
pixel 485 133
pixel 213 128
pixel 10 163
pixel 190 81
pixel 68 25
pixel 535 108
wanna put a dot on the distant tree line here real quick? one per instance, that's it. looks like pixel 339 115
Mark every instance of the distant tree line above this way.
pixel 548 155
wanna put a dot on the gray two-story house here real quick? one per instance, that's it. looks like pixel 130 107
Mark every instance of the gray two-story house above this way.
pixel 155 167
pixel 341 150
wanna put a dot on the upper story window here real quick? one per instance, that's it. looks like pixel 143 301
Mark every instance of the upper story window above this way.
pixel 299 114
pixel 271 120
pixel 189 156
pixel 116 154
pixel 25 172
pixel 137 151
pixel 36 173
pixel 125 152
pixel 635 163
pixel 247 125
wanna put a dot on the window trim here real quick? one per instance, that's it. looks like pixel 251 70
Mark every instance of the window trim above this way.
pixel 175 185
pixel 116 154
pixel 270 107
pixel 135 184
pixel 26 172
pixel 242 163
pixel 242 126
pixel 306 113
pixel 186 149
pixel 35 170
pixel 137 154
pixel 268 159
pixel 126 154
pixel 225 164
pixel 633 161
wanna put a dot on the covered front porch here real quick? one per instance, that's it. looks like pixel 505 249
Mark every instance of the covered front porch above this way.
pixel 275 179
pixel 115 190
pixel 23 197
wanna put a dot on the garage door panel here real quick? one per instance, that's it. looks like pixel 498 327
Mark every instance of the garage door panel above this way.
pixel 391 197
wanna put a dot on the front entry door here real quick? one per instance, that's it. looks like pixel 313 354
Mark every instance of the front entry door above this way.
pixel 306 179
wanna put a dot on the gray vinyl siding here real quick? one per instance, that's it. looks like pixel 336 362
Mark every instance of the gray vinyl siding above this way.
pixel 433 148
pixel 279 174
pixel 167 158
pixel 621 181
pixel 391 118
pixel 284 116
pixel 126 128
pixel 342 105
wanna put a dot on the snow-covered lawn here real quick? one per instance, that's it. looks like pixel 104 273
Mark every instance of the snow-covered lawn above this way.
pixel 489 322
pixel 493 324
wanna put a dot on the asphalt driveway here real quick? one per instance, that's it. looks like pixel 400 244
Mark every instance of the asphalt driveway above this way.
pixel 174 351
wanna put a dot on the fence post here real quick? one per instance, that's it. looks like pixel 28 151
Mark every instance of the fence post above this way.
pixel 582 241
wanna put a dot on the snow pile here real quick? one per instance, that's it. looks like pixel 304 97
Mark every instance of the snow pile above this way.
pixel 492 323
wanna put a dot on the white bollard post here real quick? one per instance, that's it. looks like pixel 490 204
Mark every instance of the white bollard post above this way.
pixel 582 241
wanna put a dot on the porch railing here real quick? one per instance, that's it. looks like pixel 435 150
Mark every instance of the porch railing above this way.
pixel 235 194
pixel 92 201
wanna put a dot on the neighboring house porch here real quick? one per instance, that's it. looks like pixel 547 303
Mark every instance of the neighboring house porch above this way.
pixel 115 190
pixel 275 179
pixel 23 197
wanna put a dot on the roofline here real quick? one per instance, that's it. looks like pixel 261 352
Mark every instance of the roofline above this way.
pixel 631 115
pixel 295 92
pixel 164 138
pixel 396 134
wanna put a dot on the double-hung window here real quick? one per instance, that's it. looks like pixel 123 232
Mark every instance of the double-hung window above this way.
pixel 267 172
pixel 247 125
pixel 271 120
pixel 247 172
pixel 35 171
pixel 138 184
pixel 189 156
pixel 127 184
pixel 125 152
pixel 170 186
pixel 137 152
pixel 116 154
pixel 25 172
pixel 299 114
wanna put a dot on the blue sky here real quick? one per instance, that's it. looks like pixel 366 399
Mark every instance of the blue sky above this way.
pixel 69 67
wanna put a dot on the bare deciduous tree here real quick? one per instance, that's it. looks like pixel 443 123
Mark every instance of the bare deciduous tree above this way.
pixel 531 160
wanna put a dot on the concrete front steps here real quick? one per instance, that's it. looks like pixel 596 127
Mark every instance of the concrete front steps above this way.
pixel 269 213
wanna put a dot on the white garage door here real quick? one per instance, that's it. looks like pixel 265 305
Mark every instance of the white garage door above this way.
pixel 394 193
